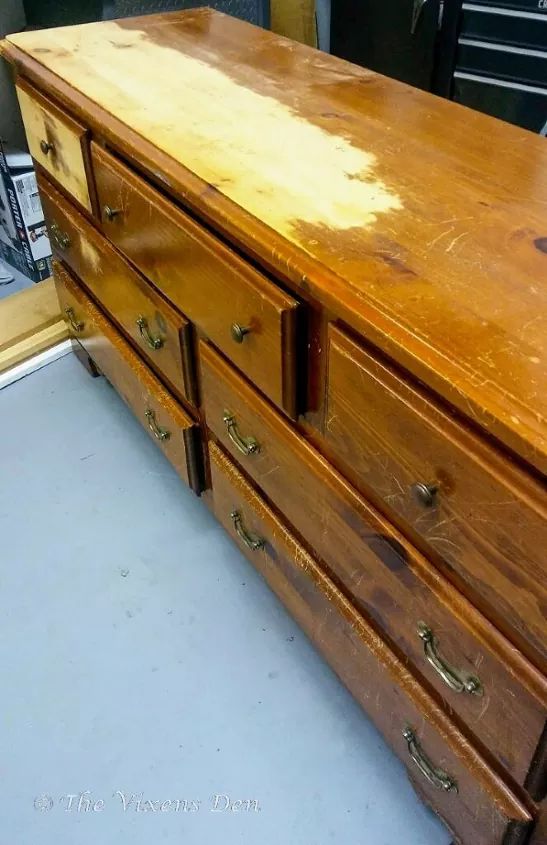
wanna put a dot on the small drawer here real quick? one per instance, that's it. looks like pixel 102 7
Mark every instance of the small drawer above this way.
pixel 161 334
pixel 161 416
pixel 503 62
pixel 245 315
pixel 57 142
pixel 482 519
pixel 453 778
pixel 500 696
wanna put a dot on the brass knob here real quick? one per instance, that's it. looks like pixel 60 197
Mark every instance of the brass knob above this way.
pixel 111 213
pixel 424 493
pixel 238 332
pixel 46 147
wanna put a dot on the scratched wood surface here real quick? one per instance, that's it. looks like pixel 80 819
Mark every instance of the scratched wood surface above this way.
pixel 419 221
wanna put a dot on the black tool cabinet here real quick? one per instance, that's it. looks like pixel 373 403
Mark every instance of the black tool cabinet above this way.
pixel 490 55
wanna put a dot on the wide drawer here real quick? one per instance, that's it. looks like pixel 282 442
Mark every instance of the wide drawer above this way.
pixel 504 62
pixel 482 519
pixel 245 315
pixel 162 335
pixel 450 774
pixel 503 25
pixel 156 410
pixel 483 679
pixel 57 142
pixel 524 105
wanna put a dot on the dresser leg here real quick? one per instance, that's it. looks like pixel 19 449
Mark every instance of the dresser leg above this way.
pixel 84 359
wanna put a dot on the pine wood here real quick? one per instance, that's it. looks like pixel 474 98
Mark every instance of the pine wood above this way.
pixel 30 322
pixel 203 278
pixel 123 293
pixel 481 811
pixel 419 222
pixel 489 521
pixel 131 378
pixel 389 581
pixel 66 161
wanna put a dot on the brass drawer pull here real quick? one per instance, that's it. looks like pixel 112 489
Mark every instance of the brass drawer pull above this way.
pixel 60 239
pixel 76 325
pixel 46 147
pixel 252 541
pixel 158 431
pixel 238 332
pixel 246 445
pixel 111 213
pixel 425 494
pixel 437 777
pixel 456 680
pixel 153 341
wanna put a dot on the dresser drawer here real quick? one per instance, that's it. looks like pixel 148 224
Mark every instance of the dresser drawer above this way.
pixel 157 411
pixel 483 679
pixel 483 520
pixel 217 290
pixel 57 142
pixel 161 334
pixel 447 770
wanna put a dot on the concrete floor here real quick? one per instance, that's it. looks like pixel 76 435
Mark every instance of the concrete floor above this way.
pixel 143 657
pixel 20 282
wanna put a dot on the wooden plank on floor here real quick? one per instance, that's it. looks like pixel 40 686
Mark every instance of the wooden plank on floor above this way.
pixel 30 321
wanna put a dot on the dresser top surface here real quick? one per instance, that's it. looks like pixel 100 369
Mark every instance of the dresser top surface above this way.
pixel 424 218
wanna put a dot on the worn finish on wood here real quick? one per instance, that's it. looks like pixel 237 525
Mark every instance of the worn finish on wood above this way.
pixel 126 296
pixel 480 812
pixel 56 142
pixel 207 281
pixel 487 521
pixel 133 381
pixel 428 232
pixel 390 582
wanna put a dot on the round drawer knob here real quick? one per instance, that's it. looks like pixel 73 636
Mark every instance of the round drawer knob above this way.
pixel 111 213
pixel 46 147
pixel 238 332
pixel 425 494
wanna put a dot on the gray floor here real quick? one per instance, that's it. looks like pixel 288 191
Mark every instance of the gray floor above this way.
pixel 19 282
pixel 142 656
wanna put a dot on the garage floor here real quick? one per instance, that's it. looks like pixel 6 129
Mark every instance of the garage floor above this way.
pixel 146 667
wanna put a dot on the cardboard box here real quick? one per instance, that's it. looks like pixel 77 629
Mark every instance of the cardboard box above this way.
pixel 24 241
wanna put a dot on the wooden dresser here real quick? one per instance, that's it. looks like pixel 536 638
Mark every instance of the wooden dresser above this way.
pixel 323 293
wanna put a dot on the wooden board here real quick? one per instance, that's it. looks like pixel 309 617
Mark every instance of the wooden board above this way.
pixel 419 222
pixel 30 321
pixel 295 20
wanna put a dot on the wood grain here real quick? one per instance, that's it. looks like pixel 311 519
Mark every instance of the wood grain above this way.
pixel 482 810
pixel 131 378
pixel 203 278
pixel 488 522
pixel 65 160
pixel 30 322
pixel 390 582
pixel 122 292
pixel 428 232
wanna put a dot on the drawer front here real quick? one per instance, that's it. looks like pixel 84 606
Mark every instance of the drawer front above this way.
pixel 218 291
pixel 157 411
pixel 390 582
pixel 511 63
pixel 465 793
pixel 161 334
pixel 57 142
pixel 486 522
pixel 523 105
pixel 494 24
